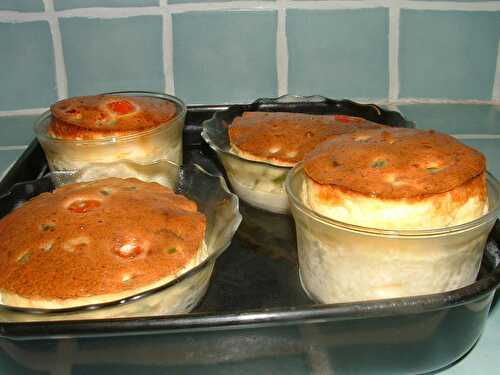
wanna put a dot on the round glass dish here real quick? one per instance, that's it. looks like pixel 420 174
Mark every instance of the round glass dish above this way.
pixel 185 290
pixel 260 184
pixel 340 262
pixel 162 142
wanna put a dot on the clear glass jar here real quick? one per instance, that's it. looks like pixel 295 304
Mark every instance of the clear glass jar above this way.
pixel 163 142
pixel 340 262
pixel 182 291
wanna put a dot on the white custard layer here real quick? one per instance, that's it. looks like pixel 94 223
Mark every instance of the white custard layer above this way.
pixel 258 184
pixel 343 266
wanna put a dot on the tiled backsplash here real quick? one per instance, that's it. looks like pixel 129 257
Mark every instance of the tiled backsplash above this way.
pixel 235 51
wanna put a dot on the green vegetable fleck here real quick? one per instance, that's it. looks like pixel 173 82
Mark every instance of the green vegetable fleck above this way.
pixel 25 257
pixel 171 250
pixel 378 164
pixel 280 179
pixel 48 227
pixel 433 169
pixel 105 191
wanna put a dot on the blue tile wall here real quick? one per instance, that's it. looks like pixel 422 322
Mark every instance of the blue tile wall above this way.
pixel 27 77
pixel 117 54
pixel 16 130
pixel 22 5
pixel 71 4
pixel 491 150
pixel 224 56
pixel 199 1
pixel 7 159
pixel 448 54
pixel 339 53
pixel 230 52
pixel 454 118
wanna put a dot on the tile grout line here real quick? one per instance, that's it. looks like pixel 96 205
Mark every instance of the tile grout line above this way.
pixel 282 49
pixel 120 12
pixel 168 48
pixel 442 101
pixel 13 147
pixel 495 95
pixel 476 136
pixel 394 17
pixel 59 65
pixel 23 112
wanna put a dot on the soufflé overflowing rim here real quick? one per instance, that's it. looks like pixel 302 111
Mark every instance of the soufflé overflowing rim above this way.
pixel 96 242
pixel 104 116
pixel 284 138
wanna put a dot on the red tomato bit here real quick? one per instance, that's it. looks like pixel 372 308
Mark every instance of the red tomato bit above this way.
pixel 83 206
pixel 121 107
pixel 343 118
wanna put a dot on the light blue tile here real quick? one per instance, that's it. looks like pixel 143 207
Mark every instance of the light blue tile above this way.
pixel 454 118
pixel 16 130
pixel 338 53
pixel 27 77
pixel 448 54
pixel 200 1
pixel 224 57
pixel 7 159
pixel 120 54
pixel 22 5
pixel 491 150
pixel 71 4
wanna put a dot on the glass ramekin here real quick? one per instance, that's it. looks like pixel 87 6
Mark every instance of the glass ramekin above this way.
pixel 162 142
pixel 340 262
pixel 260 184
pixel 185 290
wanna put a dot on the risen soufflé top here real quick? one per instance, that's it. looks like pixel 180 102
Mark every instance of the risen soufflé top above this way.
pixel 102 116
pixel 96 238
pixel 394 162
pixel 283 137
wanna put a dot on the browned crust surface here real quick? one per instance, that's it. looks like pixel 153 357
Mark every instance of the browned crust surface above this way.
pixel 286 137
pixel 394 162
pixel 48 251
pixel 93 117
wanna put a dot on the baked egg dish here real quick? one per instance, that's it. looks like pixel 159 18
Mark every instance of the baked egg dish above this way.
pixel 263 146
pixel 390 212
pixel 135 127
pixel 102 241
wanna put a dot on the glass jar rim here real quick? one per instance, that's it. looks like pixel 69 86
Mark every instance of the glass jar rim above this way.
pixel 42 134
pixel 492 184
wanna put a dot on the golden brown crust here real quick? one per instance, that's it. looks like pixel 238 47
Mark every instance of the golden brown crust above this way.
pixel 284 137
pixel 62 130
pixel 394 163
pixel 126 234
pixel 101 116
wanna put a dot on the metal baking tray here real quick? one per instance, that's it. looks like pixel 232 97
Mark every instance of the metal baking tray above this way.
pixel 255 317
